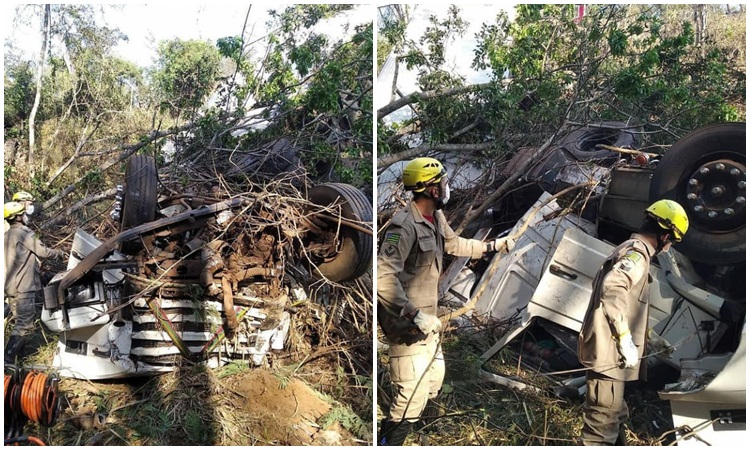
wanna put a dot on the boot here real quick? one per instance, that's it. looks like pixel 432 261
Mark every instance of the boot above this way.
pixel 13 348
pixel 622 439
pixel 432 412
pixel 393 433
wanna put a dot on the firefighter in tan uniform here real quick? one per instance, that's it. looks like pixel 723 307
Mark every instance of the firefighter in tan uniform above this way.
pixel 23 288
pixel 409 265
pixel 24 198
pixel 615 328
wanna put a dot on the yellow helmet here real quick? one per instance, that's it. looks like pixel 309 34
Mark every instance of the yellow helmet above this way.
pixel 22 196
pixel 671 216
pixel 12 209
pixel 422 172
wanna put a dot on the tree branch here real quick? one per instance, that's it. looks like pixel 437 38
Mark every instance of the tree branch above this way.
pixel 125 152
pixel 522 169
pixel 93 198
pixel 386 161
pixel 417 96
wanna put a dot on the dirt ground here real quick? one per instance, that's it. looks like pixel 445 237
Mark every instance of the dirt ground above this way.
pixel 288 410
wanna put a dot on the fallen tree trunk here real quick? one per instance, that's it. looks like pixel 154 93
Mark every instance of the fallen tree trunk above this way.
pixel 88 200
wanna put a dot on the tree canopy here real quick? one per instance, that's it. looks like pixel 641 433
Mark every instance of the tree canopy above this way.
pixel 307 82
pixel 549 71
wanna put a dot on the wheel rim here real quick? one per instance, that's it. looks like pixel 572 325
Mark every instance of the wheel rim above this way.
pixel 715 195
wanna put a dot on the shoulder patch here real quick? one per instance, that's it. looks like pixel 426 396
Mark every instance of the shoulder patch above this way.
pixel 625 265
pixel 392 238
pixel 389 251
pixel 633 255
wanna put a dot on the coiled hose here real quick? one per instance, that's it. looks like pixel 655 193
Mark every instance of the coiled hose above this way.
pixel 29 396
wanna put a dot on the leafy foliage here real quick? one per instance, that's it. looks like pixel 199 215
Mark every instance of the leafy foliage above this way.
pixel 639 64
pixel 185 74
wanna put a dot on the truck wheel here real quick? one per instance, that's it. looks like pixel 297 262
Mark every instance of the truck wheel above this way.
pixel 705 173
pixel 139 197
pixel 581 143
pixel 354 255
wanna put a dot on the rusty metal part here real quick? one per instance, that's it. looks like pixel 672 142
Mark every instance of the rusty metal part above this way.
pixel 179 268
pixel 226 286
pixel 244 274
pixel 212 263
pixel 110 245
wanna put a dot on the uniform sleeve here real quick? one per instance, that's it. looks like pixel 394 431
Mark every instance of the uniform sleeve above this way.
pixel 393 254
pixel 626 273
pixel 456 245
pixel 36 247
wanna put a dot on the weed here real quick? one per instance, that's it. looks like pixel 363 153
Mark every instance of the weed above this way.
pixel 233 368
pixel 348 419
pixel 195 432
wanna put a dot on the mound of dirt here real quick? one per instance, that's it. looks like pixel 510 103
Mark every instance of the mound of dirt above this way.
pixel 287 410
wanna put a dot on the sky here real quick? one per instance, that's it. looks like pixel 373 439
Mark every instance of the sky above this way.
pixel 459 53
pixel 147 24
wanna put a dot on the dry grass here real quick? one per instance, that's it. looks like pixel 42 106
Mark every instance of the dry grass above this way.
pixel 198 406
pixel 476 412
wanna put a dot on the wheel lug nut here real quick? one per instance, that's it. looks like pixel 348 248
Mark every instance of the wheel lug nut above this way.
pixel 692 196
pixel 735 171
pixel 698 208
pixel 740 200
pixel 694 182
pixel 729 211
pixel 719 166
pixel 703 170
pixel 712 214
pixel 717 190
pixel 741 185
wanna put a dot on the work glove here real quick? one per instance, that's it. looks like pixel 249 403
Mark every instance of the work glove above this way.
pixel 501 245
pixel 427 323
pixel 628 350
pixel 657 345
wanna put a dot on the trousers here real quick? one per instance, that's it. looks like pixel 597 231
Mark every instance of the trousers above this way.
pixel 604 410
pixel 416 377
pixel 24 308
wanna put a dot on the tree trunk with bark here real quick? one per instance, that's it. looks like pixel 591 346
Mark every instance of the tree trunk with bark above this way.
pixel 37 98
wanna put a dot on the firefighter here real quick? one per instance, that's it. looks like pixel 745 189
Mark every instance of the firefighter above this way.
pixel 409 264
pixel 27 200
pixel 23 288
pixel 614 332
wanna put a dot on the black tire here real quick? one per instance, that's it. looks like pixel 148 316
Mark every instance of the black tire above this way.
pixel 139 196
pixel 581 143
pixel 354 257
pixel 713 156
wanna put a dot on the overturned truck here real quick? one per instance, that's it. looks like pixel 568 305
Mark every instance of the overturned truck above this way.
pixel 697 302
pixel 205 278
